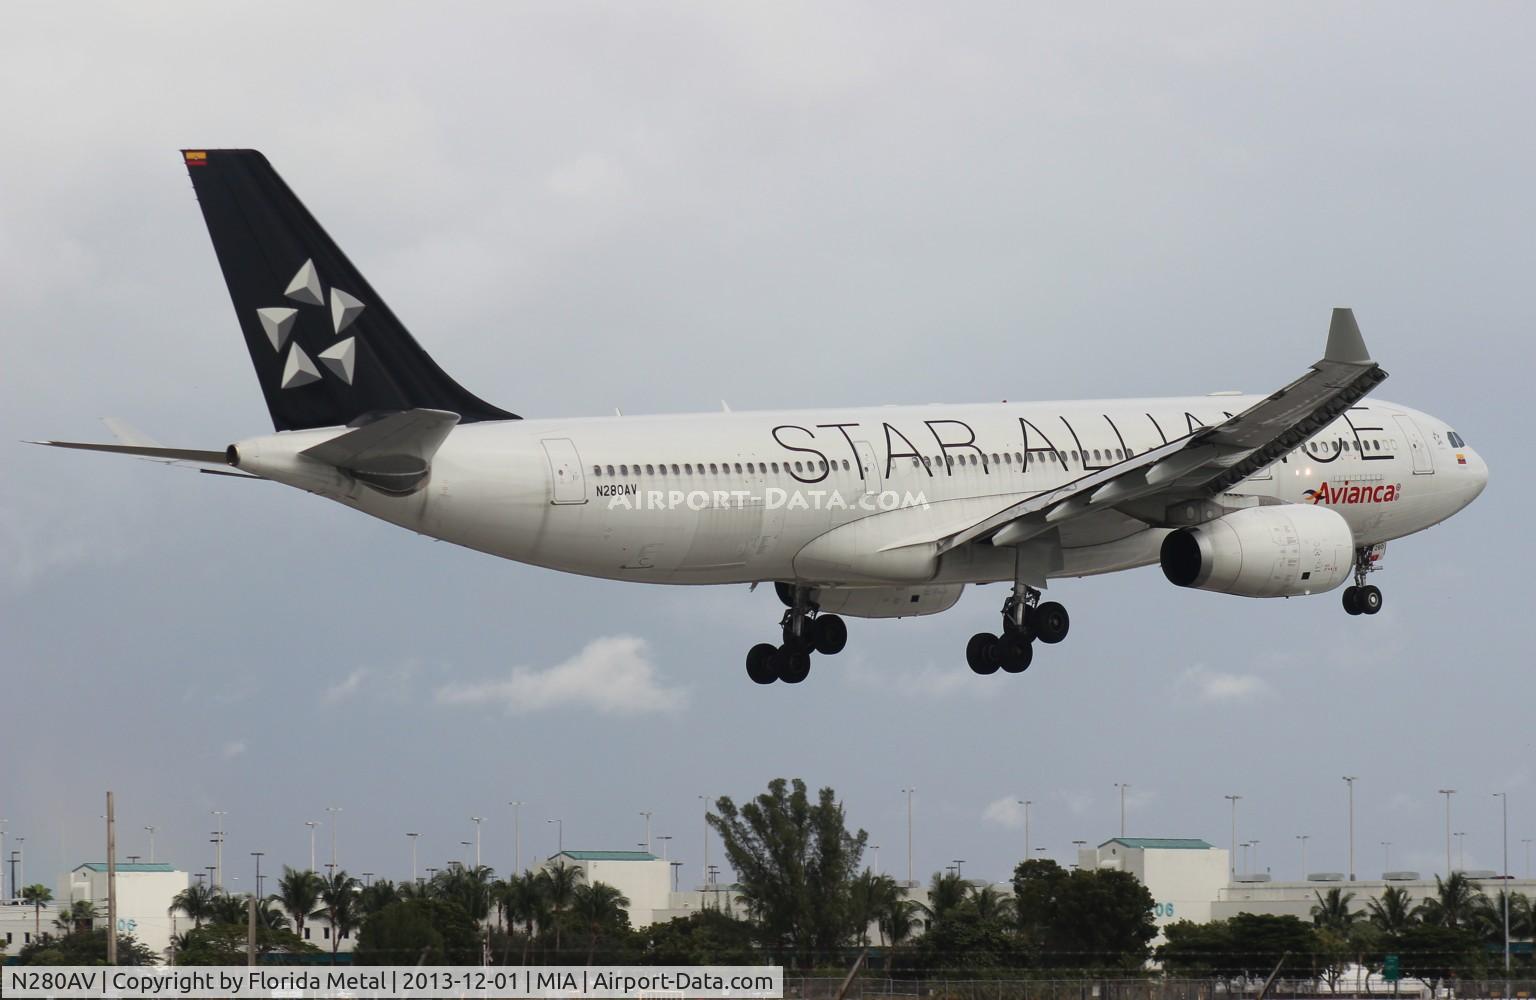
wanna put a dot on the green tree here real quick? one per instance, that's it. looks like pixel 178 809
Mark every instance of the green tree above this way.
pixel 1452 904
pixel 376 895
pixel 1333 912
pixel 225 944
pixel 796 862
pixel 37 896
pixel 946 893
pixel 228 908
pixel 85 947
pixel 1435 953
pixel 600 909
pixel 195 902
pixel 1247 946
pixel 705 937
pixel 418 931
pixel 897 920
pixel 557 888
pixel 1393 911
pixel 1099 918
pixel 77 916
pixel 298 893
pixel 338 905
pixel 526 905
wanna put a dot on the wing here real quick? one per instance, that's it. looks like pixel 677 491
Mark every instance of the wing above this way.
pixel 1158 485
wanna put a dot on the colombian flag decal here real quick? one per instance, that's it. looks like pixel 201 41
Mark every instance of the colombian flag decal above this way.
pixel 196 158
pixel 1461 459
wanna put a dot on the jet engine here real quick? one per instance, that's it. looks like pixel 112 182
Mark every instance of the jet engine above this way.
pixel 1276 551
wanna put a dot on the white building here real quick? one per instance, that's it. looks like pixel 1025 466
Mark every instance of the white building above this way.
pixel 144 894
pixel 640 875
pixel 1184 876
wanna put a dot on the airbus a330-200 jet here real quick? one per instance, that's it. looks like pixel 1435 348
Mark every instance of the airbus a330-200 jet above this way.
pixel 871 513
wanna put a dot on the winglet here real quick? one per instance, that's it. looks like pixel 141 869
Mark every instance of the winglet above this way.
pixel 1344 341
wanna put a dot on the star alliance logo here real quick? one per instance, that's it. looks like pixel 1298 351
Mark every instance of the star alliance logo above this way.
pixel 277 322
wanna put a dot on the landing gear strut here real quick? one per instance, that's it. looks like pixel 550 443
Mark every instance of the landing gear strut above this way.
pixel 1363 599
pixel 805 630
pixel 1025 619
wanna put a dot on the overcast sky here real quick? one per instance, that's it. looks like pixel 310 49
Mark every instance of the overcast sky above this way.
pixel 577 207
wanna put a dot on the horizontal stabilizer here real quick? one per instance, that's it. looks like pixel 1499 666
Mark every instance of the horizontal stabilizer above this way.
pixel 392 454
pixel 167 454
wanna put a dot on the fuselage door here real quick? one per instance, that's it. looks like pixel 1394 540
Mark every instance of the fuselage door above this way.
pixel 869 468
pixel 1423 461
pixel 567 483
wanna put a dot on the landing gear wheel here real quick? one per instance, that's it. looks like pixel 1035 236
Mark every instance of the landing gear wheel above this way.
pixel 1352 600
pixel 792 667
pixel 1369 600
pixel 981 653
pixel 830 635
pixel 1051 622
pixel 758 667
pixel 1015 652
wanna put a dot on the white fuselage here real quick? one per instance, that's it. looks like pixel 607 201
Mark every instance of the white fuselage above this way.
pixel 735 497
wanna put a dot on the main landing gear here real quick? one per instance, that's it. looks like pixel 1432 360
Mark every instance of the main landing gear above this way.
pixel 1362 599
pixel 806 630
pixel 1025 619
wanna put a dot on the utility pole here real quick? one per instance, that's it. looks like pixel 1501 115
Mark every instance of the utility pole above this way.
pixel 257 855
pixel 1447 792
pixel 647 814
pixel 151 830
pixel 111 880
pixel 477 821
pixel 559 834
pixel 312 824
pixel 1386 857
pixel 218 864
pixel 3 855
pixel 1303 837
pixel 705 799
pixel 1026 803
pixel 517 834
pixel 908 792
pixel 413 837
pixel 666 848
pixel 1122 786
pixel 1349 779
pixel 1233 859
pixel 334 811
pixel 1503 798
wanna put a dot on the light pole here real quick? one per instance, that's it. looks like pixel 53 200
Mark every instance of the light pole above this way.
pixel 1244 846
pixel 1303 837
pixel 1081 845
pixel 1447 792
pixel 908 792
pixel 257 855
pixel 647 814
pixel 1503 798
pixel 666 846
pixel 1233 859
pixel 559 834
pixel 312 824
pixel 466 844
pixel 477 820
pixel 334 811
pixel 1461 849
pixel 1386 857
pixel 704 799
pixel 413 837
pixel 151 830
pixel 1026 803
pixel 1122 786
pixel 1349 779
pixel 958 863
pixel 876 849
pixel 219 861
pixel 517 833
pixel 3 822
pixel 1527 842
pixel 1255 845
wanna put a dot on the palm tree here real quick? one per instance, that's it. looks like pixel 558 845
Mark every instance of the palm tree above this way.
pixel 228 909
pixel 38 895
pixel 270 916
pixel 298 891
pixel 1488 916
pixel 597 906
pixel 525 902
pixel 377 895
pixel 559 882
pixel 990 904
pixel 897 920
pixel 1452 903
pixel 195 902
pixel 1393 911
pixel 945 894
pixel 1332 911
pixel 338 905
pixel 76 916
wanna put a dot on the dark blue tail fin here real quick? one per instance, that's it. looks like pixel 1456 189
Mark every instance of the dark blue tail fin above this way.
pixel 327 350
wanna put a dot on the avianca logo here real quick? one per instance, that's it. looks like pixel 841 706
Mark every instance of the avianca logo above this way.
pixel 1380 493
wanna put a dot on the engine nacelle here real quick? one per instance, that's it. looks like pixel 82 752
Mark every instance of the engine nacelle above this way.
pixel 1277 551
pixel 888 602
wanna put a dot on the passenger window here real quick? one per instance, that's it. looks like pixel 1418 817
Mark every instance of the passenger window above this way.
pixel 775 466
pixel 674 470
pixel 1096 455
pixel 738 466
pixel 1119 453
pixel 623 470
pixel 846 468
pixel 650 470
pixel 688 468
pixel 712 469
pixel 597 470
pixel 610 470
pixel 1074 455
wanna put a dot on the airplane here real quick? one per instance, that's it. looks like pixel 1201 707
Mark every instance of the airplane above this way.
pixel 882 512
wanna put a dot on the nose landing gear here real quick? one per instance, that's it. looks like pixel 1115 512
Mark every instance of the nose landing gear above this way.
pixel 805 630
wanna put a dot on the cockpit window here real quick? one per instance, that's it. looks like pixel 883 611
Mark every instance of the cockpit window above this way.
pixel 1456 439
